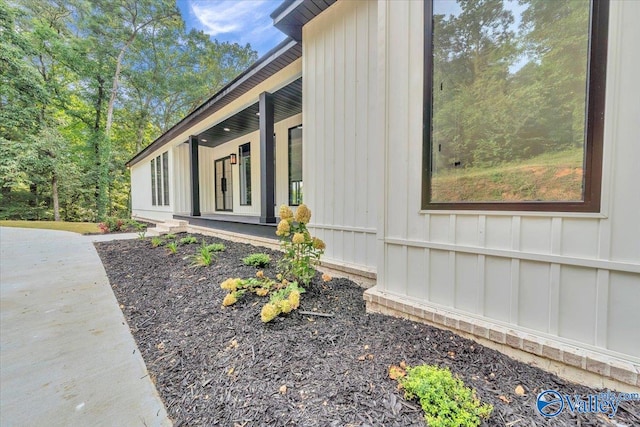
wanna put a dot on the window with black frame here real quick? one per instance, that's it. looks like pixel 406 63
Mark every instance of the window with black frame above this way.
pixel 295 166
pixel 514 102
pixel 245 174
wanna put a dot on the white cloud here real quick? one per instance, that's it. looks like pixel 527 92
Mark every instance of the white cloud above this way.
pixel 231 16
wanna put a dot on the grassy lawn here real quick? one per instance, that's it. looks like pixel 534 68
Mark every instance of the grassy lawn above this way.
pixel 551 176
pixel 76 227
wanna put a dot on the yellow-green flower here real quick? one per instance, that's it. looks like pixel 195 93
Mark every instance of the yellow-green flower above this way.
pixel 230 284
pixel 285 212
pixel 230 299
pixel 260 274
pixel 303 214
pixel 285 306
pixel 261 292
pixel 298 238
pixel 294 299
pixel 283 228
pixel 318 244
pixel 269 312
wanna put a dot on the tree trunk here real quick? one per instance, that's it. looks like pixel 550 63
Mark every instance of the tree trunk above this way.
pixel 56 201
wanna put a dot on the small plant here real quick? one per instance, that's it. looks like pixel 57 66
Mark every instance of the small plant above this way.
pixel 258 260
pixel 445 400
pixel 172 247
pixel 188 240
pixel 156 241
pixel 302 252
pixel 169 236
pixel 204 257
pixel 111 225
pixel 216 247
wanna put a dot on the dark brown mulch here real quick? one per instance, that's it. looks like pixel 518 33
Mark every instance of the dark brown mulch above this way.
pixel 223 366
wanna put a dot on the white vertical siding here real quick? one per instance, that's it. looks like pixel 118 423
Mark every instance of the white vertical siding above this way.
pixel 570 277
pixel 340 144
pixel 141 205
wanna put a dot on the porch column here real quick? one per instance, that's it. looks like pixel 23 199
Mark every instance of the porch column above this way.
pixel 267 161
pixel 195 175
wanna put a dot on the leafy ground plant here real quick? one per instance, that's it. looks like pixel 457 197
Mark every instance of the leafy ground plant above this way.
pixel 204 257
pixel 445 400
pixel 258 260
pixel 188 240
pixel 215 247
pixel 156 241
pixel 169 236
pixel 172 247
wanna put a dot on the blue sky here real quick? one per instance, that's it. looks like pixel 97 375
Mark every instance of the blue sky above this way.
pixel 239 21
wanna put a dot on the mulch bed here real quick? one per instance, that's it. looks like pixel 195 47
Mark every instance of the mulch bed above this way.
pixel 215 365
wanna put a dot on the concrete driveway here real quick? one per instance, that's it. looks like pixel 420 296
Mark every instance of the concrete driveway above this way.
pixel 67 357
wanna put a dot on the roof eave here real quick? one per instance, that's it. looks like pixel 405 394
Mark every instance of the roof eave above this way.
pixel 200 112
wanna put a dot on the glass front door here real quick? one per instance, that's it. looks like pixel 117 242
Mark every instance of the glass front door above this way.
pixel 224 185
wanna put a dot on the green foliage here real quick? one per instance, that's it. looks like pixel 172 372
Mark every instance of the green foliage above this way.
pixel 156 241
pixel 188 240
pixel 86 84
pixel 215 247
pixel 258 260
pixel 302 252
pixel 445 400
pixel 204 257
pixel 112 225
pixel 172 247
pixel 169 236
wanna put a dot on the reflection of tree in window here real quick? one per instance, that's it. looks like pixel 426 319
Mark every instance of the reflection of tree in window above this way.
pixel 165 177
pixel 245 174
pixel 153 182
pixel 295 166
pixel 509 100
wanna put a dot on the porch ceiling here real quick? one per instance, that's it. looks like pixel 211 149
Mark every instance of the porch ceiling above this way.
pixel 287 102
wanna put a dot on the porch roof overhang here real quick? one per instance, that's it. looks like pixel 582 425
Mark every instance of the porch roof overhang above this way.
pixel 291 15
pixel 287 102
pixel 285 53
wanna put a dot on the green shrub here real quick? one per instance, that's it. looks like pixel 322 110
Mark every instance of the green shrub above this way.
pixel 216 247
pixel 169 236
pixel 156 241
pixel 445 400
pixel 188 240
pixel 258 260
pixel 302 252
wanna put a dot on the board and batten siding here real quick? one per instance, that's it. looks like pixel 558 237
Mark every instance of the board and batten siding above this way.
pixel 207 157
pixel 573 278
pixel 340 145
pixel 141 206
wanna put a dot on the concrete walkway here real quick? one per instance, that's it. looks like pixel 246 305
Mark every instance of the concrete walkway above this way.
pixel 67 357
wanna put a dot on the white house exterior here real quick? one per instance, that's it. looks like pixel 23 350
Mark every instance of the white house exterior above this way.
pixel 561 286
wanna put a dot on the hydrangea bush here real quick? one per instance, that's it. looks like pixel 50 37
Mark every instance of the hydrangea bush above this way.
pixel 302 252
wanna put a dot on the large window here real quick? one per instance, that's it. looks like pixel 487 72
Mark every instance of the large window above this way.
pixel 295 166
pixel 245 174
pixel 514 102
pixel 160 180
